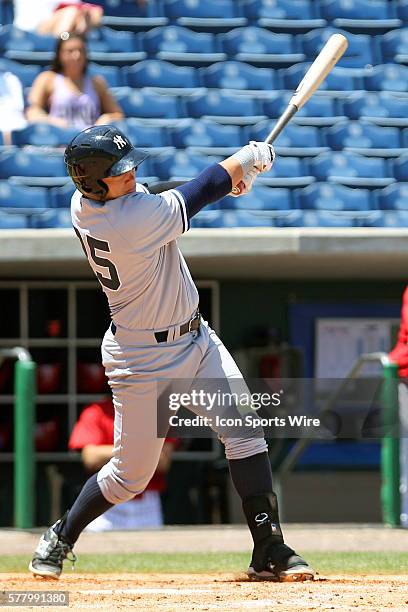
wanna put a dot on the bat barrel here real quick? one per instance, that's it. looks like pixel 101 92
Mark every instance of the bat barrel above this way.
pixel 291 110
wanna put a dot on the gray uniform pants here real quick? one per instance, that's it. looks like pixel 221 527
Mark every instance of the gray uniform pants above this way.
pixel 132 369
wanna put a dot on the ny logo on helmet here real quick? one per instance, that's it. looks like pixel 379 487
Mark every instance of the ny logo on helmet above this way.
pixel 119 141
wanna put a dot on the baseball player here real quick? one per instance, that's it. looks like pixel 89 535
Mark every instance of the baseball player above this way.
pixel 130 239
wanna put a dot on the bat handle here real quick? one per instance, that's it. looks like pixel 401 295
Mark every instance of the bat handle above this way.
pixel 291 110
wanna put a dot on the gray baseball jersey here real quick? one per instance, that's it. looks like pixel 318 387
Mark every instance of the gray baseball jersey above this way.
pixel 131 246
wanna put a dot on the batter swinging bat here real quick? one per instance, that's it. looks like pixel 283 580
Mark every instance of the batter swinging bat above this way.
pixel 318 71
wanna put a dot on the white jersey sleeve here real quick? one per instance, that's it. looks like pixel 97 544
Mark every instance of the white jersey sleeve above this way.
pixel 148 221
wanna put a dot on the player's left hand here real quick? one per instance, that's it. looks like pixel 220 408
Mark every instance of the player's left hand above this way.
pixel 246 184
pixel 264 154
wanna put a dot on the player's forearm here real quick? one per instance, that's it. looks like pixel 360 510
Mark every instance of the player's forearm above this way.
pixel 95 456
pixel 210 185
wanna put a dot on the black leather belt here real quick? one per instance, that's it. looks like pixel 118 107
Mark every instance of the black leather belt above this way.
pixel 192 325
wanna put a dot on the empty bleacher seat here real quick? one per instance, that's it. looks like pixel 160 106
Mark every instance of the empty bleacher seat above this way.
pixel 43 134
pixel 11 220
pixel 224 104
pixel 256 45
pixel 60 197
pixel 34 166
pixel 207 135
pixel 287 172
pixel 325 196
pixel 319 110
pixel 294 140
pixel 231 218
pixel 387 77
pixel 142 134
pixel 178 44
pixel 328 218
pixel 358 15
pixel 148 104
pixel 111 74
pixel 352 169
pixel 261 198
pixel 394 46
pixel 382 108
pixel 297 15
pixel 26 74
pixel 393 197
pixel 157 73
pixel 402 10
pixel 358 54
pixel 339 79
pixel 211 14
pixel 397 219
pixel 20 197
pixel 365 137
pixel 238 75
pixel 60 218
pixel 401 168
pixel 180 165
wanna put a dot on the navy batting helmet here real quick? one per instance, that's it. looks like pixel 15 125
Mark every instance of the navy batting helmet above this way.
pixel 99 152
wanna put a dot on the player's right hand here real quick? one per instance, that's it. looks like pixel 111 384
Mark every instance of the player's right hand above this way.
pixel 264 154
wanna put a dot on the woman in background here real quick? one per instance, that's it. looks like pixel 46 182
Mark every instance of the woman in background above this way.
pixel 66 95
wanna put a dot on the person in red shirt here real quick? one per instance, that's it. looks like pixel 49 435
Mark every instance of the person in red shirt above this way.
pixel 93 436
pixel 399 353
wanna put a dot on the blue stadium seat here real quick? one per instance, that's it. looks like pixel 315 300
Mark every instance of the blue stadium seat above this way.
pixel 206 134
pixel 261 198
pixel 369 15
pixel 231 218
pixel 397 219
pixel 43 134
pixel 178 44
pixel 215 14
pixel 219 103
pixel 130 8
pixel 394 197
pixel 327 196
pixel 328 218
pixel 60 218
pixel 26 74
pixel 401 168
pixel 319 110
pixel 352 169
pixel 394 46
pixel 148 104
pixel 288 172
pixel 60 197
pixel 365 137
pixel 11 38
pixel 142 134
pixel 296 15
pixel 237 75
pixel 16 196
pixel 382 108
pixel 289 218
pixel 36 166
pixel 180 164
pixel 114 41
pixel 156 73
pixel 339 79
pixel 295 139
pixel 111 74
pixel 358 54
pixel 402 10
pixel 387 77
pixel 12 220
pixel 256 45
pixel 6 12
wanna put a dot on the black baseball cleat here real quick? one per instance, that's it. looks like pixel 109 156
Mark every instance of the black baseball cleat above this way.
pixel 51 551
pixel 278 563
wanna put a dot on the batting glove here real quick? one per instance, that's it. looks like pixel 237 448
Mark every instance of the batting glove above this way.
pixel 264 155
pixel 246 184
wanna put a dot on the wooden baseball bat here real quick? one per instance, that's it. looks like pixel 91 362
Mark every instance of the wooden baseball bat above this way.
pixel 318 71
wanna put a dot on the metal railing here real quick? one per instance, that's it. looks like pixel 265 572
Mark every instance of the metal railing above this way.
pixel 24 423
pixel 390 461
